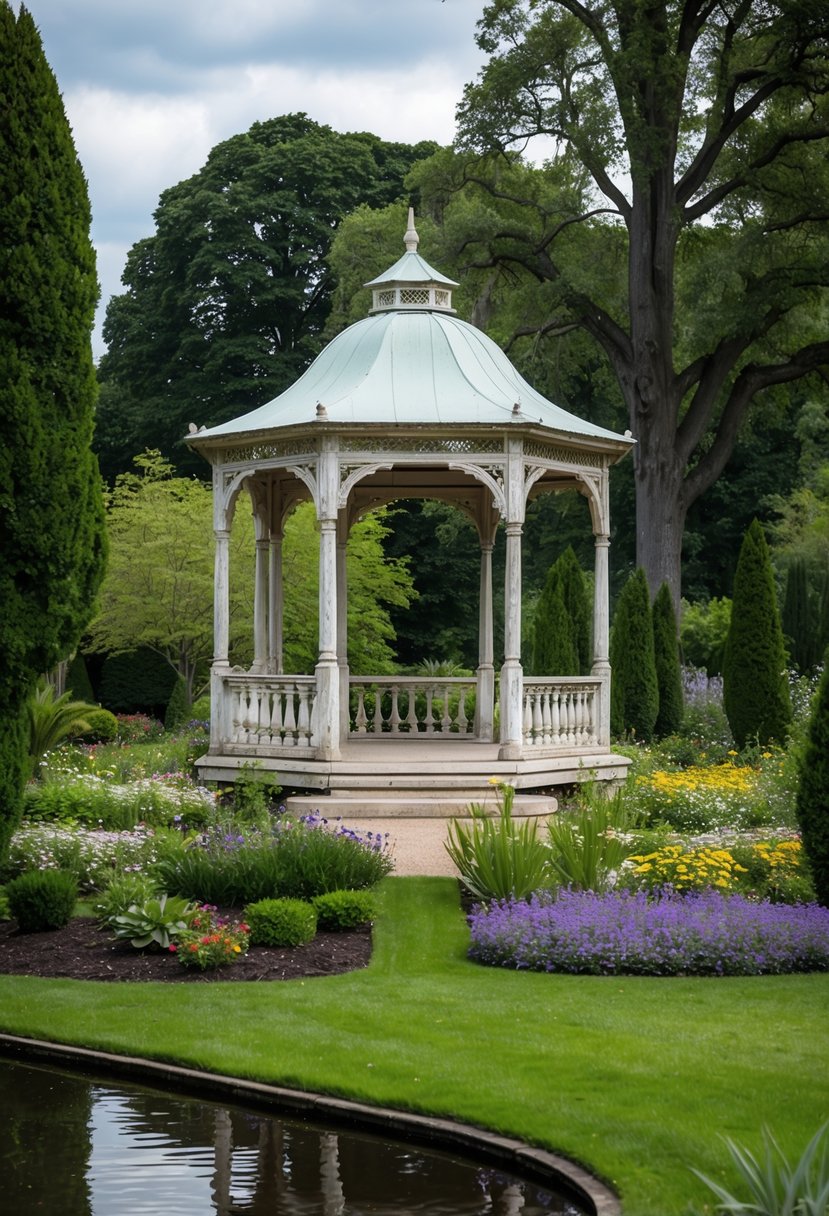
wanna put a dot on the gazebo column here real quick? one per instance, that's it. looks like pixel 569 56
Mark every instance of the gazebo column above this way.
pixel 342 621
pixel 275 605
pixel 221 635
pixel 260 606
pixel 485 697
pixel 512 676
pixel 327 668
pixel 601 632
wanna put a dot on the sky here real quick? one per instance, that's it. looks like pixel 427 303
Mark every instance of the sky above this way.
pixel 150 86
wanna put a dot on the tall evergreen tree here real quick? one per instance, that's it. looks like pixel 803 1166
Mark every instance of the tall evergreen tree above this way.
pixel 813 791
pixel 634 693
pixel 797 618
pixel 666 656
pixel 51 513
pixel 755 689
pixel 561 626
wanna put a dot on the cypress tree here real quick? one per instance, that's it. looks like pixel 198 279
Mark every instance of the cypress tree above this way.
pixel 574 594
pixel 797 620
pixel 634 694
pixel 666 656
pixel 755 688
pixel 813 791
pixel 51 512
pixel 178 707
pixel 561 626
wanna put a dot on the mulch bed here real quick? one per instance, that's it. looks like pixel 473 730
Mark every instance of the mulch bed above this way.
pixel 82 951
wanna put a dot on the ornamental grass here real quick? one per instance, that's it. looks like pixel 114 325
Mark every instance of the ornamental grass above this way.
pixel 632 933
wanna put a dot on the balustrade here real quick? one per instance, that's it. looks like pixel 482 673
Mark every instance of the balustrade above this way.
pixel 410 705
pixel 271 711
pixel 561 712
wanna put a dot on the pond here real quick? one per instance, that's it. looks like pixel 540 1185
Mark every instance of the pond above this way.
pixel 83 1145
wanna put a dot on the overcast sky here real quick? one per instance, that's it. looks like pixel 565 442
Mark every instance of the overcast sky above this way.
pixel 151 85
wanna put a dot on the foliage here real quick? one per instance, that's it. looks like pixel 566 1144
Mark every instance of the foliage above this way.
pixel 93 856
pixel 624 933
pixel 42 899
pixel 102 725
pixel 703 630
pixel 136 728
pixel 799 619
pixel 156 921
pixel 774 1186
pixel 775 870
pixel 338 911
pixel 561 625
pixel 634 693
pixel 281 922
pixel 254 793
pixel 178 707
pixel 755 690
pixel 666 658
pixel 136 680
pixel 496 856
pixel 77 679
pixel 51 720
pixel 589 845
pixel 813 791
pixel 705 797
pixel 211 941
pixel 686 869
pixel 226 303
pixel 109 804
pixel 51 514
pixel 121 891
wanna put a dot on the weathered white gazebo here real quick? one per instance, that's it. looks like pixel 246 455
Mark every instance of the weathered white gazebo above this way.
pixel 410 402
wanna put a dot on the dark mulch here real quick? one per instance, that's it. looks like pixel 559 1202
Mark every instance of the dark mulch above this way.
pixel 82 951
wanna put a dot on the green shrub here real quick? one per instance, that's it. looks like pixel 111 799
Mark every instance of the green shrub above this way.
pixel 102 726
pixel 666 658
pixel 589 845
pixel 52 719
pixel 634 693
pixel 178 707
pixel 254 792
pixel 156 921
pixel 121 892
pixel 77 680
pixel 5 910
pixel 703 630
pixel 341 910
pixel 42 899
pixel 812 803
pixel 561 622
pixel 755 687
pixel 281 922
pixel 200 709
pixel 496 857
pixel 136 680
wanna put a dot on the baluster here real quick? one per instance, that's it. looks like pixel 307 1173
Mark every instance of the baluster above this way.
pixel 430 726
pixel 394 716
pixel 463 721
pixel 289 719
pixel 238 711
pixel 538 720
pixel 591 717
pixel 411 710
pixel 276 717
pixel 378 711
pixel 571 718
pixel 361 717
pixel 527 723
pixel 250 718
pixel 446 717
pixel 304 722
pixel 546 718
pixel 264 723
pixel 555 716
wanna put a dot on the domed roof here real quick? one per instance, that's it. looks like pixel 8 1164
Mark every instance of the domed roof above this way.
pixel 411 362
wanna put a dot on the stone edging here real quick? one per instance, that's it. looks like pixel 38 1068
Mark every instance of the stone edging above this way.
pixel 534 1164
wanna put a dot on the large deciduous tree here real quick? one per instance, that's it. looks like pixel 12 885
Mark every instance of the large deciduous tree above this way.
pixel 226 303
pixel 51 513
pixel 686 225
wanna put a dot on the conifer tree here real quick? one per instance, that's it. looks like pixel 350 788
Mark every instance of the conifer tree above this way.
pixel 755 688
pixel 798 619
pixel 561 627
pixel 634 694
pixel 668 672
pixel 51 513
pixel 178 707
pixel 813 791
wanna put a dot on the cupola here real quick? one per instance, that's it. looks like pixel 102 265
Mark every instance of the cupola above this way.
pixel 411 283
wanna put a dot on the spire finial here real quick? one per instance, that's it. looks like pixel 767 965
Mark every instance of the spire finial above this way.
pixel 411 239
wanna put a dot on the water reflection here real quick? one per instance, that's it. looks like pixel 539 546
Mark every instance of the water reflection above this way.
pixel 86 1147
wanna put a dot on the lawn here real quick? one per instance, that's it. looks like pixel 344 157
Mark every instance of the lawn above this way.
pixel 636 1078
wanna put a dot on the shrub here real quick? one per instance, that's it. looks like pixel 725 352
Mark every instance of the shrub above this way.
pixel 254 792
pixel 178 707
pixel 138 728
pixel 114 806
pixel 666 658
pixel 755 687
pixel 156 921
pixel 703 630
pixel 589 845
pixel 211 941
pixel 121 892
pixel 708 933
pixel 702 798
pixel 42 899
pixel 812 803
pixel 281 922
pixel 51 720
pixel 341 910
pixel 561 624
pixel 634 694
pixel 495 856
pixel 91 856
pixel 102 726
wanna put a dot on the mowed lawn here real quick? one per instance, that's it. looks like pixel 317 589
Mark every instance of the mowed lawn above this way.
pixel 636 1078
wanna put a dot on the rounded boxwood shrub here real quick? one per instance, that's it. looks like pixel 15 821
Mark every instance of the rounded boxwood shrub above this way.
pixel 42 899
pixel 103 726
pixel 281 922
pixel 341 910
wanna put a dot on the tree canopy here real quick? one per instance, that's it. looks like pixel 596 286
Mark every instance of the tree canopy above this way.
pixel 51 513
pixel 226 303
pixel 680 222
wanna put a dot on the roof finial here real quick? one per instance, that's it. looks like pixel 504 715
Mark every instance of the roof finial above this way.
pixel 410 240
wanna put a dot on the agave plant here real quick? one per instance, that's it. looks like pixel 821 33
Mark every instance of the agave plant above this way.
pixel 53 719
pixel 774 1187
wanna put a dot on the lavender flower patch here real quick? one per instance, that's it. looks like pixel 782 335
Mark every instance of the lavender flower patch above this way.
pixel 623 932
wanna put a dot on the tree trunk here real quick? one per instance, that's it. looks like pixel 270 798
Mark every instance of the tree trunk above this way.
pixel 660 523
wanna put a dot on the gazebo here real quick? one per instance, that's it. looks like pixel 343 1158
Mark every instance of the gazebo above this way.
pixel 410 402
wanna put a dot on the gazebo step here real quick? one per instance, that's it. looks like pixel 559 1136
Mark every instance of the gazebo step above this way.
pixel 438 804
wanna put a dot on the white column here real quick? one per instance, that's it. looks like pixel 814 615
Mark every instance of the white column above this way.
pixel 221 598
pixel 601 632
pixel 327 669
pixel 342 619
pixel 275 610
pixel 260 607
pixel 512 675
pixel 485 696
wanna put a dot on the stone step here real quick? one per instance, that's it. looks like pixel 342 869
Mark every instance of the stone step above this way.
pixel 439 805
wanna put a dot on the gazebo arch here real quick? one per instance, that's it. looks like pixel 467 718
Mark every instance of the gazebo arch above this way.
pixel 411 402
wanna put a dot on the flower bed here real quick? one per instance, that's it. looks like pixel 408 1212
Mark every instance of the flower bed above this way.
pixel 632 933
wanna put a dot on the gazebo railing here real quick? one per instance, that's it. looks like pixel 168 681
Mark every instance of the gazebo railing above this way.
pixel 399 706
pixel 269 710
pixel 562 712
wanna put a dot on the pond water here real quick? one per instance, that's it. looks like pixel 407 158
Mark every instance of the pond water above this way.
pixel 78 1145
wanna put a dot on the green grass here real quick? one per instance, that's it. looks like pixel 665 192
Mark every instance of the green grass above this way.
pixel 634 1077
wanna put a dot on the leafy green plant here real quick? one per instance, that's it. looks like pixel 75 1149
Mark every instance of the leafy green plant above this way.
pixel 211 941
pixel 281 922
pixel 42 899
pixel 254 790
pixel 497 857
pixel 101 726
pixel 53 719
pixel 589 845
pixel 156 921
pixel 774 1186
pixel 341 910
pixel 122 892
